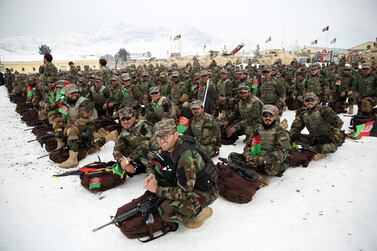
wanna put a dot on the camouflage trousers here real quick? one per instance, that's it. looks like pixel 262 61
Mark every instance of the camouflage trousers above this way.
pixel 79 135
pixel 321 147
pixel 181 211
pixel 212 150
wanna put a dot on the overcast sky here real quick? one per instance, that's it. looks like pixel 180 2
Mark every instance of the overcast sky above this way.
pixel 251 22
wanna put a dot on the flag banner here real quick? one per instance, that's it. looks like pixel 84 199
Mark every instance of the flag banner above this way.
pixel 367 129
pixel 178 37
pixel 268 40
pixel 325 29
pixel 237 49
pixel 314 42
pixel 333 41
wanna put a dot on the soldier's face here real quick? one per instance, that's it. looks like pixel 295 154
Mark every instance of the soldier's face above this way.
pixel 73 96
pixel 365 71
pixel 223 76
pixel 309 103
pixel 167 141
pixel 268 118
pixel 244 95
pixel 314 71
pixel 204 78
pixel 197 111
pixel 155 95
pixel 128 122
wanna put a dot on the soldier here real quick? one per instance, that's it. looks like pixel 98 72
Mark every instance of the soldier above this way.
pixel 227 91
pixel 104 72
pixel 267 147
pixel 316 83
pixel 134 142
pixel 365 89
pixel 272 91
pixel 165 87
pixel 187 183
pixel 178 94
pixel 205 129
pixel 79 129
pixel 83 84
pixel 210 97
pixel 116 95
pixel 48 70
pixel 246 115
pixel 131 93
pixel 322 123
pixel 72 74
pixel 160 106
pixel 144 86
pixel 100 95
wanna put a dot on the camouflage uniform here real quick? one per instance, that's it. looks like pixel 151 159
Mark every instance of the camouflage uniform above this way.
pixel 181 183
pixel 318 85
pixel 49 73
pixel 134 143
pixel 365 89
pixel 247 113
pixel 227 90
pixel 272 92
pixel 323 125
pixel 130 94
pixel 99 96
pixel 159 109
pixel 205 129
pixel 275 145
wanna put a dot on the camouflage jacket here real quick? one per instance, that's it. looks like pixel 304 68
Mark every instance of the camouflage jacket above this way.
pixel 319 121
pixel 130 96
pixel 177 90
pixel 317 84
pixel 366 86
pixel 275 142
pixel 99 97
pixel 184 178
pixel 49 73
pixel 205 129
pixel 136 142
pixel 272 92
pixel 247 112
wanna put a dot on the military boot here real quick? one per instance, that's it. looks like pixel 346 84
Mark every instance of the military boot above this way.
pixel 319 156
pixel 60 144
pixel 200 218
pixel 112 136
pixel 71 161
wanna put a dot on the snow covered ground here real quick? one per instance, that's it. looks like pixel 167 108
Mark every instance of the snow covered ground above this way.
pixel 331 205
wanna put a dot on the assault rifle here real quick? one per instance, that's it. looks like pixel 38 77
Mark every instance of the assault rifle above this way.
pixel 42 139
pixel 246 173
pixel 145 208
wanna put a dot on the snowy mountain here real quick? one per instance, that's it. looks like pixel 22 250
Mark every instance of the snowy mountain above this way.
pixel 331 205
pixel 135 38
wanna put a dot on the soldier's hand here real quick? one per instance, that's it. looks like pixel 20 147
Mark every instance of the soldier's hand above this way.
pixel 130 168
pixel 152 186
pixel 104 106
pixel 148 178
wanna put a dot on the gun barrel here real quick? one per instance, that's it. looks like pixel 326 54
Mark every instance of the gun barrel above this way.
pixel 32 140
pixel 43 156
pixel 105 225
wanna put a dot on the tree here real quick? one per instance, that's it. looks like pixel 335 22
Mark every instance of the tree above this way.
pixel 148 54
pixel 43 49
pixel 122 55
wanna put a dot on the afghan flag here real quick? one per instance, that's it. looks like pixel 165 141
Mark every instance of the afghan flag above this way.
pixel 95 180
pixel 338 82
pixel 326 28
pixel 63 109
pixel 255 83
pixel 367 129
pixel 29 91
pixel 256 146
